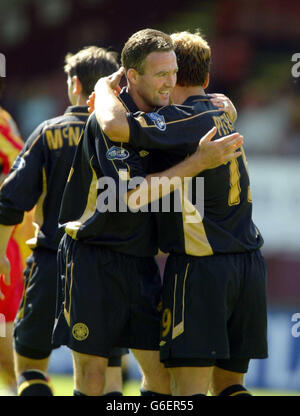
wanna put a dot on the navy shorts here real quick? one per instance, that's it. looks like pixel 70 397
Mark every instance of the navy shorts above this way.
pixel 214 311
pixel 107 299
pixel 35 319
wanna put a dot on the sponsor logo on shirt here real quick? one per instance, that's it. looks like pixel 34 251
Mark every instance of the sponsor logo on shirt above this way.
pixel 117 153
pixel 158 120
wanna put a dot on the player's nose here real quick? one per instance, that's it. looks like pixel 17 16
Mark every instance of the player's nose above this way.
pixel 171 81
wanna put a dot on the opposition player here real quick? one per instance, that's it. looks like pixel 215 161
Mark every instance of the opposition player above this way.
pixel 111 283
pixel 214 298
pixel 12 287
pixel 37 178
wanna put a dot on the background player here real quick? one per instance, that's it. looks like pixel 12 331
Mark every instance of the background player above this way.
pixel 219 256
pixel 37 178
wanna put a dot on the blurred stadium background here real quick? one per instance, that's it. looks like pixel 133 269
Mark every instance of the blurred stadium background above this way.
pixel 253 42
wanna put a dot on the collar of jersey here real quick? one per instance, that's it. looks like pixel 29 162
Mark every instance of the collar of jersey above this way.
pixel 77 109
pixel 190 100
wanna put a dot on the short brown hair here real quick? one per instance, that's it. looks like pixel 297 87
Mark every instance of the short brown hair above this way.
pixel 90 64
pixel 141 44
pixel 193 58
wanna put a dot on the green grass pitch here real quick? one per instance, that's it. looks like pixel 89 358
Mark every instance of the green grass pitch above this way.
pixel 63 386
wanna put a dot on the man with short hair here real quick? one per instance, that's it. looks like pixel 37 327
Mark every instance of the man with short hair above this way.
pixel 214 296
pixel 109 250
pixel 37 178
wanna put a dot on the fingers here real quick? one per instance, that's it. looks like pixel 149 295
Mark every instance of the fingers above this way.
pixel 91 97
pixel 231 156
pixel 91 102
pixel 231 139
pixel 117 90
pixel 220 101
pixel 221 104
pixel 217 102
pixel 209 135
pixel 115 78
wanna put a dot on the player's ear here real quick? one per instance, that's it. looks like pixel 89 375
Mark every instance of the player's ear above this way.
pixel 206 82
pixel 77 86
pixel 132 75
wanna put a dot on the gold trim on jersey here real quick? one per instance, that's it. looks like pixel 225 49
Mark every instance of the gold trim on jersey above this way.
pixel 32 144
pixel 72 227
pixel 195 239
pixel 67 312
pixel 197 100
pixel 23 302
pixel 57 125
pixel 70 174
pixel 142 121
pixel 179 328
pixel 77 114
pixel 65 300
pixel 177 121
pixel 124 175
pixel 127 109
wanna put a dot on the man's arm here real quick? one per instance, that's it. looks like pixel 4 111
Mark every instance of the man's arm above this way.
pixel 209 155
pixel 110 113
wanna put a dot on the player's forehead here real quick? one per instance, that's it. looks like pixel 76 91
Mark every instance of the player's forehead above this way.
pixel 160 62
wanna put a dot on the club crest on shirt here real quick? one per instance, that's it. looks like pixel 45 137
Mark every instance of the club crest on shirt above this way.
pixel 158 120
pixel 117 153
pixel 19 163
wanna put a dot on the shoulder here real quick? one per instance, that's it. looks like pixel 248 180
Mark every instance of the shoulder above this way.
pixel 61 121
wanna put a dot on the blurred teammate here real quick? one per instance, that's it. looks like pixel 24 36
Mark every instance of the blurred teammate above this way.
pixel 214 297
pixel 37 178
pixel 10 294
pixel 108 250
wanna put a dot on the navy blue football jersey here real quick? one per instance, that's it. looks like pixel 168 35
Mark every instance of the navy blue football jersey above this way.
pixel 224 225
pixel 93 206
pixel 39 174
